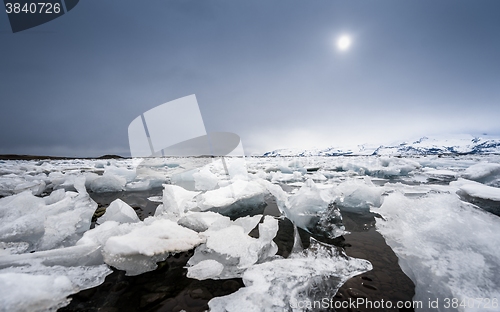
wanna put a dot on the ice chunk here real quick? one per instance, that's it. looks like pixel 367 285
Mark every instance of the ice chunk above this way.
pixel 205 269
pixel 476 189
pixel 205 180
pixel 147 243
pixel 119 211
pixel 447 247
pixel 201 221
pixel 36 187
pixel 55 221
pixel 81 277
pixel 280 284
pixel 311 209
pixel 234 249
pixel 286 177
pixel 440 173
pixel 138 186
pixel 383 167
pixel 359 196
pixel 128 174
pixel 236 196
pixel 176 200
pixel 248 223
pixel 25 292
pixel 317 176
pixel 108 183
pixel 484 172
pixel 38 274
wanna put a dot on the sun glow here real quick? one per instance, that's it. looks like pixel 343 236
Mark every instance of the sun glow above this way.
pixel 344 42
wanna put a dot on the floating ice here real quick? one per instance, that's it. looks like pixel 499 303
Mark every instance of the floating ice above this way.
pixel 286 177
pixel 176 200
pixel 205 180
pixel 36 187
pixel 108 183
pixel 128 174
pixel 45 223
pixel 359 196
pixel 40 281
pixel 234 249
pixel 201 221
pixel 484 172
pixel 237 196
pixel 119 211
pixel 380 167
pixel 447 247
pixel 206 269
pixel 310 209
pixel 26 292
pixel 147 243
pixel 476 189
pixel 280 284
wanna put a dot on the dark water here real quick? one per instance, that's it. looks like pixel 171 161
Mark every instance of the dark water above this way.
pixel 168 288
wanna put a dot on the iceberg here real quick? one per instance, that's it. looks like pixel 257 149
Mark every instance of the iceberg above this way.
pixel 27 292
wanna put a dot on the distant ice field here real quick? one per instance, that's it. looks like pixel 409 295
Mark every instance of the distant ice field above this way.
pixel 65 225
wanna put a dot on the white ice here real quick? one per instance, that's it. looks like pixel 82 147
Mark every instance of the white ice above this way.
pixel 54 221
pixel 311 208
pixel 279 285
pixel 476 189
pixel 447 247
pixel 358 195
pixel 147 243
pixel 236 196
pixel 201 221
pixel 119 211
pixel 176 200
pixel 232 247
pixel 484 172
pixel 205 180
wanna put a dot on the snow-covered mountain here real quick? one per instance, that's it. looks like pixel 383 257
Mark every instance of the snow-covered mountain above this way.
pixel 455 145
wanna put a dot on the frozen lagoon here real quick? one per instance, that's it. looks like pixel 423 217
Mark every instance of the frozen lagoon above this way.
pixel 436 214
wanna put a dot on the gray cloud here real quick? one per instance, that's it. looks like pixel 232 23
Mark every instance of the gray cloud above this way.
pixel 267 71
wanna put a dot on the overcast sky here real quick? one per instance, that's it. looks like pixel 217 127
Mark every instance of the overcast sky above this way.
pixel 268 71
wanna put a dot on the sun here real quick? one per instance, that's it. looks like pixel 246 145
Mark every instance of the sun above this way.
pixel 344 42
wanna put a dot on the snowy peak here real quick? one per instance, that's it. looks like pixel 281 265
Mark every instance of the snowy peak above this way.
pixel 454 145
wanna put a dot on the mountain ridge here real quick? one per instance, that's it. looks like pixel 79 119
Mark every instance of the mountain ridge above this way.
pixel 455 145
